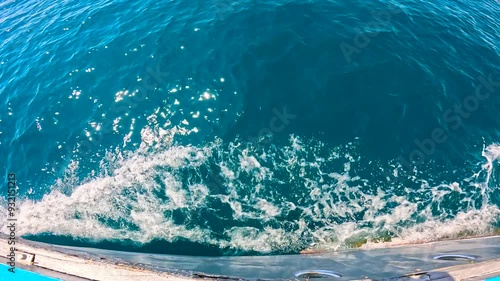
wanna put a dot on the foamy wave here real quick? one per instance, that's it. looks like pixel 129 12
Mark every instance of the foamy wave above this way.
pixel 465 224
pixel 280 198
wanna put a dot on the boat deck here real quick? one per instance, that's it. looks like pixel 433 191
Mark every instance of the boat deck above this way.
pixel 467 259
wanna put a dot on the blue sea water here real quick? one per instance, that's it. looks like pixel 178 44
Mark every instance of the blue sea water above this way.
pixel 250 127
pixel 22 275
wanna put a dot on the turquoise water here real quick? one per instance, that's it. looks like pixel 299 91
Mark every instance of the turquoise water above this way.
pixel 21 275
pixel 250 127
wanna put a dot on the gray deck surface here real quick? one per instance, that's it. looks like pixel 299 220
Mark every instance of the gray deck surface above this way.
pixel 382 263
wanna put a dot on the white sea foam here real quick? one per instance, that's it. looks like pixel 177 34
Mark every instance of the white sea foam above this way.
pixel 280 197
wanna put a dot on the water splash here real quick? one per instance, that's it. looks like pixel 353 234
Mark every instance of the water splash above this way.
pixel 271 199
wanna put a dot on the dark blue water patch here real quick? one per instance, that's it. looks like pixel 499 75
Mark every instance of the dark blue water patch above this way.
pixel 310 76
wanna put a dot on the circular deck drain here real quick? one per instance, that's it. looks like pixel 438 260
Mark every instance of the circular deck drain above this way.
pixel 317 273
pixel 454 257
